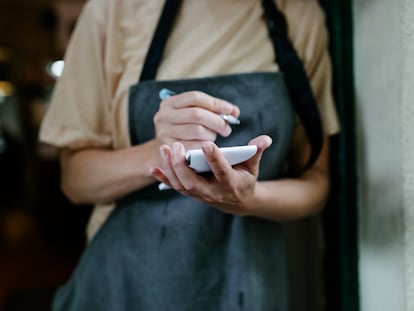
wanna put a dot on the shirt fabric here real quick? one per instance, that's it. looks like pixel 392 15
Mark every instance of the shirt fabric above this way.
pixel 89 107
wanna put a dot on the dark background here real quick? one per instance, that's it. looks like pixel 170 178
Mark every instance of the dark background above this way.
pixel 41 233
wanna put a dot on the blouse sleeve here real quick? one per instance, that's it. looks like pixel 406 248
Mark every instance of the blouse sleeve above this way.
pixel 78 114
pixel 309 35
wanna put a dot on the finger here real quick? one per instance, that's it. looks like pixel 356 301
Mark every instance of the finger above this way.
pixel 186 176
pixel 220 167
pixel 188 144
pixel 187 132
pixel 168 170
pixel 206 118
pixel 192 115
pixel 203 100
pixel 159 174
pixel 262 142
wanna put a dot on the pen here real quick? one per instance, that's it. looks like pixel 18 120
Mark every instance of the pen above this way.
pixel 230 119
pixel 164 93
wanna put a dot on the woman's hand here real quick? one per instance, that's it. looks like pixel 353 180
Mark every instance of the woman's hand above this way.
pixel 230 189
pixel 192 118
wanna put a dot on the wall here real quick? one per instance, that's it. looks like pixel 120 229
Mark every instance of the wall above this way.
pixel 407 124
pixel 384 78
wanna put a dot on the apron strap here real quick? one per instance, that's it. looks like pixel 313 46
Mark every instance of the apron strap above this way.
pixel 162 32
pixel 297 82
pixel 300 91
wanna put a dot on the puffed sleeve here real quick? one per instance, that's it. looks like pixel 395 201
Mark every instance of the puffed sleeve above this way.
pixel 78 114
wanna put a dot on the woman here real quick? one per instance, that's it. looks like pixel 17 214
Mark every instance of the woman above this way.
pixel 212 242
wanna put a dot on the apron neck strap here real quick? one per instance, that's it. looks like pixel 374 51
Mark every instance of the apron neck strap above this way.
pixel 297 83
pixel 162 32
pixel 165 25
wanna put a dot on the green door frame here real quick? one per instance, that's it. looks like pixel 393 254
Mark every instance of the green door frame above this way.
pixel 340 216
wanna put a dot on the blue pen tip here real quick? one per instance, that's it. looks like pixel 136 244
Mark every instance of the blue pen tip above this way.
pixel 165 93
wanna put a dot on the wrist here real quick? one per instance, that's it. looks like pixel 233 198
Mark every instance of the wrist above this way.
pixel 251 203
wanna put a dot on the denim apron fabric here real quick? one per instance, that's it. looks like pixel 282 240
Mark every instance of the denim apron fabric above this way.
pixel 160 250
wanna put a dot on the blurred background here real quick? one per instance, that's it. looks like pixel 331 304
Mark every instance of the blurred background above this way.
pixel 41 234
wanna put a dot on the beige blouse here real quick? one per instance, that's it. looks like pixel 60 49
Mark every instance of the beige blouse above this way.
pixel 107 49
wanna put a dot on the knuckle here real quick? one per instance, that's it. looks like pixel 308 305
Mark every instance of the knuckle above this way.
pixel 161 132
pixel 232 187
pixel 157 117
pixel 199 131
pixel 216 104
pixel 195 95
pixel 196 115
pixel 190 187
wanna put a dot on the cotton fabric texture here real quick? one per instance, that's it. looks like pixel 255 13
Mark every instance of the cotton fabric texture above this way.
pixel 108 47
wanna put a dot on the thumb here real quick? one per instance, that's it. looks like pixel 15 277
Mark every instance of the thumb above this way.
pixel 262 142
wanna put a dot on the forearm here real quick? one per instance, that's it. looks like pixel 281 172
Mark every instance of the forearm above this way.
pixel 235 190
pixel 288 199
pixel 93 176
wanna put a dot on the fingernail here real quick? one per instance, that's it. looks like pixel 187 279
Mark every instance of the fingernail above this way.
pixel 208 149
pixel 175 148
pixel 227 131
pixel 163 153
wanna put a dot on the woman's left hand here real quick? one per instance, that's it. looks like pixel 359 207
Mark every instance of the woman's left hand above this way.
pixel 230 189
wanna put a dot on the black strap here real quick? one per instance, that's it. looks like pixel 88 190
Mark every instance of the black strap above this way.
pixel 162 32
pixel 297 82
pixel 296 79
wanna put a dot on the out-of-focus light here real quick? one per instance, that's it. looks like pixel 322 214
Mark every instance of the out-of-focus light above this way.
pixel 6 90
pixel 55 68
pixel 4 54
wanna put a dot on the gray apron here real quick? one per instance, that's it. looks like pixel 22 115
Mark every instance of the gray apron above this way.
pixel 160 250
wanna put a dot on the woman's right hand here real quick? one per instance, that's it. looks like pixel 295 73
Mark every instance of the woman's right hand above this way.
pixel 192 118
pixel 93 175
